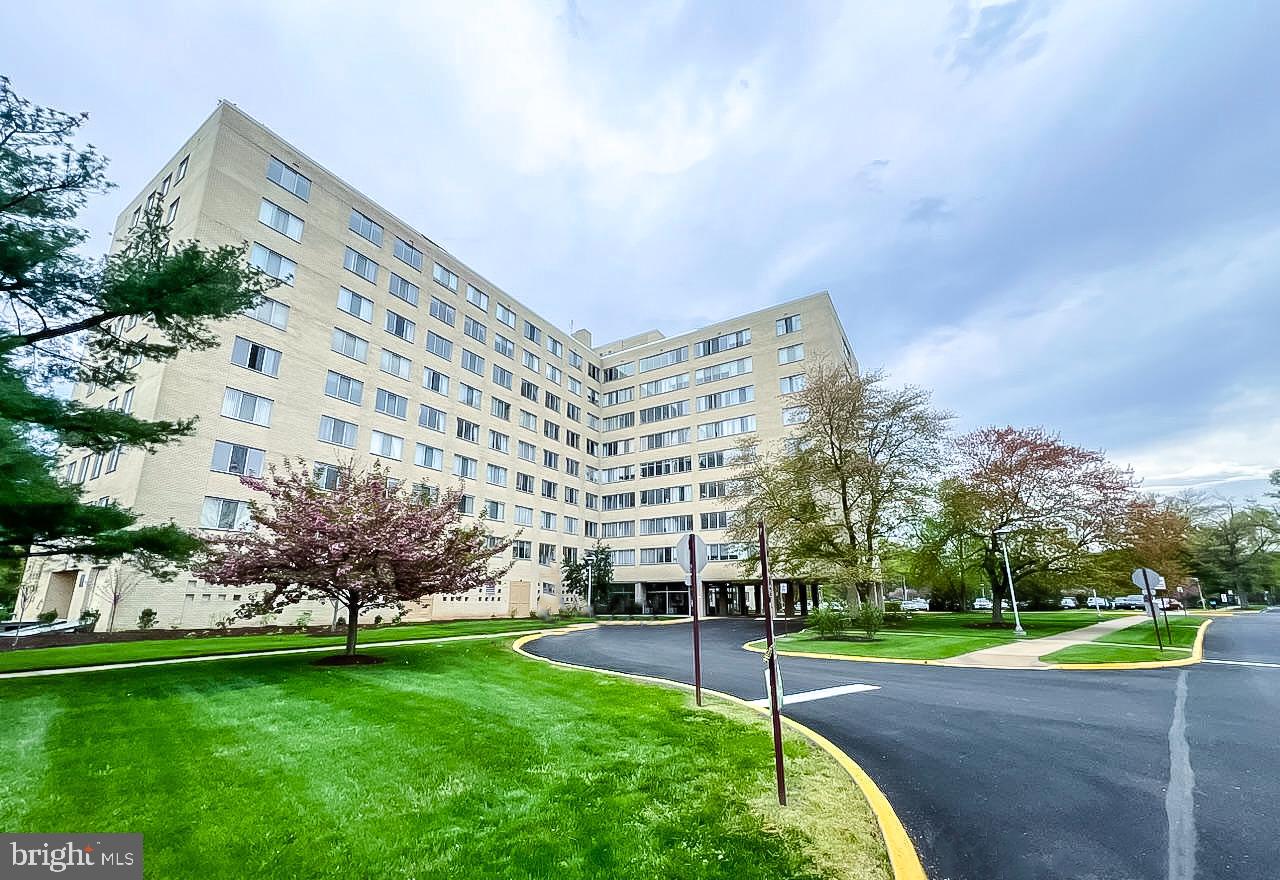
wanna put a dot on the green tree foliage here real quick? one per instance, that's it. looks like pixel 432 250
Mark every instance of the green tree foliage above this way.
pixel 574 577
pixel 858 470
pixel 65 318
pixel 599 561
pixel 1234 548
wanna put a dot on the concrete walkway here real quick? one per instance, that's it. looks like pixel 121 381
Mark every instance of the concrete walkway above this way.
pixel 1026 653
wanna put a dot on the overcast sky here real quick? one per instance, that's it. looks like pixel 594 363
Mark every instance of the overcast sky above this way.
pixel 1061 214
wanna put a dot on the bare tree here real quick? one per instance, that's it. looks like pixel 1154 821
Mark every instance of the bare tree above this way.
pixel 856 468
pixel 117 586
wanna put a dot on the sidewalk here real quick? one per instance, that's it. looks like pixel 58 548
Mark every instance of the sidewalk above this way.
pixel 1026 653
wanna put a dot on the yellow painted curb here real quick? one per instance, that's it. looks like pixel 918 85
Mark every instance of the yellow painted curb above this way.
pixel 903 859
pixel 1197 654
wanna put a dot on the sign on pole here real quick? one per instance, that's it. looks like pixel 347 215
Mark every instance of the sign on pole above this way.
pixel 1147 579
pixel 691 556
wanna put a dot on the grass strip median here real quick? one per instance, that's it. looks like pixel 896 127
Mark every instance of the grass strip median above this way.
pixel 1135 644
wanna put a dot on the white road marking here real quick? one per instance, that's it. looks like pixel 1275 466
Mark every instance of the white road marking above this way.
pixel 1245 663
pixel 820 694
pixel 1179 803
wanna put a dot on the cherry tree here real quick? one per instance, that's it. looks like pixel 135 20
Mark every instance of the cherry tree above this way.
pixel 367 543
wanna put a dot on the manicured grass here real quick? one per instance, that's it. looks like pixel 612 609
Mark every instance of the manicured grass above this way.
pixel 450 760
pixel 166 649
pixel 1135 643
pixel 932 636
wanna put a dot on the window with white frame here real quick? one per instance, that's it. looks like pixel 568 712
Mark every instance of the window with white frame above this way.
pixel 354 261
pixel 338 432
pixel 365 227
pixel 431 418
pixel 391 404
pixel 789 324
pixel 271 312
pixel 255 356
pixel 224 513
pixel 386 445
pixel 434 380
pixel 791 353
pixel 394 364
pixel 282 175
pixel 399 325
pixel 355 305
pixel 439 346
pixel 245 407
pixel 478 298
pixel 349 345
pixel 791 384
pixel 408 254
pixel 428 456
pixel 444 277
pixel 274 264
pixel 403 288
pixel 342 387
pixel 237 459
pixel 271 214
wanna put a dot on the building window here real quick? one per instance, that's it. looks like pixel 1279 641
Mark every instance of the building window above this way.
pixel 663 412
pixel 795 415
pixel 495 510
pixel 550 489
pixel 365 227
pixel 530 360
pixel 718 519
pixel 478 298
pixel 390 404
pixel 473 328
pixel 271 214
pixel 399 325
pixel 526 450
pixel 282 175
pixel 431 418
pixel 337 432
pixel 722 399
pixel 386 445
pixel 349 345
pixel 464 467
pixel 532 332
pixel 722 371
pixel 502 376
pixel 663 439
pixel 521 550
pixel 428 457
pixel 622 558
pixel 224 513
pixel 182 170
pixel 234 458
pixel 468 431
pixel 442 311
pixel 727 427
pixel 789 324
pixel 665 466
pixel 791 384
pixel 555 347
pixel 354 261
pixel 725 342
pixel 546 554
pixel 274 264
pixel 245 407
pixel 173 212
pixel 528 420
pixel 326 476
pixel 620 421
pixel 467 505
pixel 444 277
pixel 408 254
pixel 499 442
pixel 394 364
pixel 715 489
pixel 719 458
pixel 341 387
pixel 470 396
pixel 666 525
pixel 256 357
pixel 433 380
pixel 472 362
pixel 495 475
pixel 620 371
pixel 355 305
pixel 505 315
pixel 500 408
pixel 439 346
pixel 272 312
pixel 791 353
pixel 504 346
pixel 666 495
pixel 663 386
pixel 657 555
pixel 665 359
pixel 402 288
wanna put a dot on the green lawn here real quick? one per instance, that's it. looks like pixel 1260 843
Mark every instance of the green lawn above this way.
pixel 451 760
pixel 166 649
pixel 932 636
pixel 1135 644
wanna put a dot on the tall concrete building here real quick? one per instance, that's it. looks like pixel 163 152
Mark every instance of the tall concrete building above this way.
pixel 381 343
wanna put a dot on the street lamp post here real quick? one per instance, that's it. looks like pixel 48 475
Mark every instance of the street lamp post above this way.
pixel 1013 597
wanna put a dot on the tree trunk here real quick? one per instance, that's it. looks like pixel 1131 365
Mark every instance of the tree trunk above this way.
pixel 353 621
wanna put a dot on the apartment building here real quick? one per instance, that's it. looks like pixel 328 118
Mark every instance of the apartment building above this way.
pixel 380 343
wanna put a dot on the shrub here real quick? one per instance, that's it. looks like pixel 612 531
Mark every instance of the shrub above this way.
pixel 892 606
pixel 46 617
pixel 826 622
pixel 89 618
pixel 870 619
pixel 147 618
pixel 303 621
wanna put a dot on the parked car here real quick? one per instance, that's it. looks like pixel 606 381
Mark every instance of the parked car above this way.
pixel 1099 602
pixel 1068 602
pixel 982 603
pixel 915 605
pixel 1131 603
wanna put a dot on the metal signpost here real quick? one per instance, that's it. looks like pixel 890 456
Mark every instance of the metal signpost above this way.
pixel 1013 597
pixel 771 657
pixel 691 555
pixel 1145 578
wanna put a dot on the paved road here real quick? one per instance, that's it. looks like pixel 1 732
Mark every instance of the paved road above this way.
pixel 1004 775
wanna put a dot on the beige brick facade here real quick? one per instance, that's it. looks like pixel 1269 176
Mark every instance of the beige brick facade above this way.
pixel 624 405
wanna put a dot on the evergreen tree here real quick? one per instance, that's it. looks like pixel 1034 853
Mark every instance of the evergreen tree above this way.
pixel 66 318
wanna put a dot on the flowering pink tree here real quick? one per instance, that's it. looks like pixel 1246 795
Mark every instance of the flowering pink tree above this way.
pixel 364 544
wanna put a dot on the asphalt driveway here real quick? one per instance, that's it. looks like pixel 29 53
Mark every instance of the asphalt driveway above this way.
pixel 1031 774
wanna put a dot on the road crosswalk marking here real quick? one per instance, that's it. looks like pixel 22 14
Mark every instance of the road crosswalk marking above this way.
pixel 820 694
pixel 1245 663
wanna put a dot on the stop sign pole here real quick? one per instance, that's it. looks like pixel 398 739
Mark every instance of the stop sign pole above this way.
pixel 1143 577
pixel 697 629
pixel 766 590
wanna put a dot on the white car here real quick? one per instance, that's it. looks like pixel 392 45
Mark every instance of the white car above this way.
pixel 1068 603
pixel 982 603
pixel 1098 602
pixel 915 605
